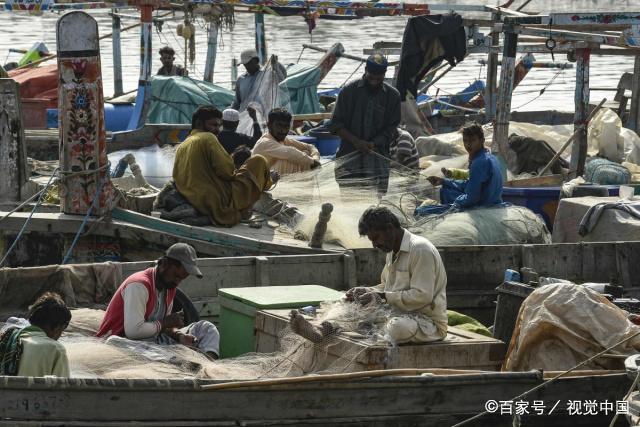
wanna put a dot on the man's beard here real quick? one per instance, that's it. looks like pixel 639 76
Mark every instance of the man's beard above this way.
pixel 164 283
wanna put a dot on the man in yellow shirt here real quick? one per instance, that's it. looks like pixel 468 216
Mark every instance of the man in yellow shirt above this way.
pixel 34 351
pixel 285 155
pixel 205 175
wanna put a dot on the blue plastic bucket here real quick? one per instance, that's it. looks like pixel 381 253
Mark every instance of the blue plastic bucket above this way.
pixel 326 143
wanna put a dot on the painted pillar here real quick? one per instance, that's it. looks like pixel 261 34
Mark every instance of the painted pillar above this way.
pixel 500 144
pixel 13 156
pixel 84 174
pixel 212 49
pixel 634 110
pixel 139 116
pixel 117 54
pixel 261 41
pixel 579 149
pixel 491 90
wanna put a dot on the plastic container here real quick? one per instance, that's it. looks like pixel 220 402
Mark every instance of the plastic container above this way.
pixel 510 298
pixel 238 307
pixel 326 142
pixel 544 201
pixel 116 117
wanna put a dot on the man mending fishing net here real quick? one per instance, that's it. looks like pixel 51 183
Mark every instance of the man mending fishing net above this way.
pixel 412 291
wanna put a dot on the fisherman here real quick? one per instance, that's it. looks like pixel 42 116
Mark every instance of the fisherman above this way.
pixel 34 351
pixel 167 57
pixel 240 155
pixel 413 284
pixel 205 175
pixel 229 138
pixel 484 186
pixel 366 117
pixel 252 79
pixel 285 155
pixel 141 307
pixel 404 153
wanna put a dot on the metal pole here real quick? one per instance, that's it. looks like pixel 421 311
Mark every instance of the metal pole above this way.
pixel 212 49
pixel 117 54
pixel 500 144
pixel 579 150
pixel 261 41
pixel 634 110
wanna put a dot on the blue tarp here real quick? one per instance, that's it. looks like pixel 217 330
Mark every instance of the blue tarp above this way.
pixel 174 99
pixel 301 85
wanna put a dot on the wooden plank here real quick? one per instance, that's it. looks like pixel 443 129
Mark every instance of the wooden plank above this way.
pixel 83 151
pixel 579 149
pixel 538 181
pixel 461 349
pixel 634 111
pixel 500 144
pixel 13 159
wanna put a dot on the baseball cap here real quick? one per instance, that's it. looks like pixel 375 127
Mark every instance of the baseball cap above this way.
pixel 248 55
pixel 230 115
pixel 187 257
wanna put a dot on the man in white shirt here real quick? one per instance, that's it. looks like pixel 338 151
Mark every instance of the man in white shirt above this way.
pixel 141 307
pixel 413 284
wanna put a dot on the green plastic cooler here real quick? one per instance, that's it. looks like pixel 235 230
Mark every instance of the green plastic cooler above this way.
pixel 238 307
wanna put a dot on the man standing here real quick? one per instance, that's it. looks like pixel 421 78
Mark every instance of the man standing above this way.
pixel 167 57
pixel 205 175
pixel 412 285
pixel 366 117
pixel 285 155
pixel 34 351
pixel 484 186
pixel 229 138
pixel 141 307
pixel 248 84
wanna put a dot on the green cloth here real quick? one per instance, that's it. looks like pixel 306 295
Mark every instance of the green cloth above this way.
pixel 467 323
pixel 174 99
pixel 301 85
pixel 41 355
pixel 10 351
pixel 29 352
pixel 205 175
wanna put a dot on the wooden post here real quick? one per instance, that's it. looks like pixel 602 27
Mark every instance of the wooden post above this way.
pixel 212 49
pixel 13 157
pixel 139 116
pixel 503 105
pixel 491 89
pixel 579 150
pixel 117 54
pixel 261 41
pixel 83 149
pixel 634 111
pixel 234 73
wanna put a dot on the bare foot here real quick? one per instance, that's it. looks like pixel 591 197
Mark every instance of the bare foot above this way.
pixel 304 328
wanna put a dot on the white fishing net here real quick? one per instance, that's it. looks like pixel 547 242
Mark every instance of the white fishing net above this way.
pixel 116 357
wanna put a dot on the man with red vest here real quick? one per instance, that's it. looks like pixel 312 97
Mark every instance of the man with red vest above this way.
pixel 141 307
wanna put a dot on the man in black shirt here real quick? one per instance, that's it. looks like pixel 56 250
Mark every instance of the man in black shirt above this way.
pixel 229 138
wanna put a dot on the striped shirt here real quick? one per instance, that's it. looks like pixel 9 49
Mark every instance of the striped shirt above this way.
pixel 404 151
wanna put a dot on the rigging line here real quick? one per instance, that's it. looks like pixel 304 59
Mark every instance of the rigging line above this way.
pixel 351 75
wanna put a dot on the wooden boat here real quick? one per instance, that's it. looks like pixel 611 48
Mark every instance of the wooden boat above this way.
pixel 397 397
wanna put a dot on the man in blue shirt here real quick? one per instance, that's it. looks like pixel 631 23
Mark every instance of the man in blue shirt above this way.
pixel 484 186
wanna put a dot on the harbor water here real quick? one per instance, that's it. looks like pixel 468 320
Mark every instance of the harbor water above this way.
pixel 285 36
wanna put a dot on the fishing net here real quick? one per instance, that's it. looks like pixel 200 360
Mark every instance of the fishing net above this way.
pixel 292 355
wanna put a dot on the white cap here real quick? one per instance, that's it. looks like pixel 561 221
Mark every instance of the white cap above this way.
pixel 248 55
pixel 230 115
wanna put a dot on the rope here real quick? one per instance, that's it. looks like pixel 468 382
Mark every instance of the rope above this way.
pixel 84 222
pixel 24 226
pixel 541 90
pixel 21 205
pixel 549 381
pixel 351 75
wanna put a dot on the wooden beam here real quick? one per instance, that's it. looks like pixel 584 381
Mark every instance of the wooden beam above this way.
pixel 634 111
pixel 491 89
pixel 503 106
pixel 579 150
pixel 212 50
pixel 117 55
pixel 13 158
